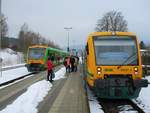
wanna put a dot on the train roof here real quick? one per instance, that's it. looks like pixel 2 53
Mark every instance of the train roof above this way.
pixel 36 46
pixel 57 50
pixel 50 48
pixel 112 33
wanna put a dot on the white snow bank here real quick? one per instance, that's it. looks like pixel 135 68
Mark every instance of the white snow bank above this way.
pixel 128 112
pixel 94 105
pixel 60 74
pixel 13 74
pixel 126 109
pixel 14 65
pixel 27 102
pixel 144 98
pixel 11 57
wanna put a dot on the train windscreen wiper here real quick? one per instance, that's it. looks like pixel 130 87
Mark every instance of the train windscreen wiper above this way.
pixel 135 53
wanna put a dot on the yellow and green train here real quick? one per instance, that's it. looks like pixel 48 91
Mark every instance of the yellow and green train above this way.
pixel 113 65
pixel 37 56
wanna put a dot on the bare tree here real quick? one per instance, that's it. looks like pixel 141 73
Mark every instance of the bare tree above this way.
pixel 28 38
pixel 112 21
pixel 4 30
pixel 22 36
pixel 4 26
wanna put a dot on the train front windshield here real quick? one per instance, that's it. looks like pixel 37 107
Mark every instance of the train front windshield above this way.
pixel 36 53
pixel 115 50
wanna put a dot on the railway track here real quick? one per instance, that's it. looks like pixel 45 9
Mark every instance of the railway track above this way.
pixel 9 93
pixel 116 106
pixel 13 67
pixel 111 105
pixel 13 80
pixel 23 76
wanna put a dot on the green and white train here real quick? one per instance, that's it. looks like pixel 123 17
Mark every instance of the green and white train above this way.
pixel 37 56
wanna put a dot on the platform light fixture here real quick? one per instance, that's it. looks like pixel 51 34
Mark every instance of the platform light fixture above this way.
pixel 67 29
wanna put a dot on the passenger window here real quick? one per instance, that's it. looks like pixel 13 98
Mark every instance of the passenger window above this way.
pixel 48 52
pixel 52 57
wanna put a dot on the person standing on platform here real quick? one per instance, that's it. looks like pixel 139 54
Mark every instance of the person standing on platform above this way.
pixel 68 64
pixel 72 61
pixel 49 70
pixel 65 63
pixel 76 63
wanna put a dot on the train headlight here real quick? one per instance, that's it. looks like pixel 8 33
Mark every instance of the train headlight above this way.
pixel 99 70
pixel 113 33
pixel 136 73
pixel 136 70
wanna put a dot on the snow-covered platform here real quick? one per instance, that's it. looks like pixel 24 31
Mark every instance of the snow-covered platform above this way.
pixel 72 97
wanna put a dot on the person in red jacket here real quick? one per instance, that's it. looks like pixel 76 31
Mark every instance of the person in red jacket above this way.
pixel 49 70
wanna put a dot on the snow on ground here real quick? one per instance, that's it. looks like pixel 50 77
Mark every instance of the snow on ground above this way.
pixel 126 109
pixel 14 65
pixel 60 74
pixel 144 98
pixel 94 105
pixel 11 57
pixel 12 74
pixel 18 72
pixel 27 102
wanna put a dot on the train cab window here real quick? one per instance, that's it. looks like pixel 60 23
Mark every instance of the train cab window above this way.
pixel 36 53
pixel 115 50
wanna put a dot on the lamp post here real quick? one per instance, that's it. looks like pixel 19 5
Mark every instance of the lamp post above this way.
pixel 68 28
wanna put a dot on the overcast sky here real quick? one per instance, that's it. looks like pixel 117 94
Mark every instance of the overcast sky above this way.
pixel 49 17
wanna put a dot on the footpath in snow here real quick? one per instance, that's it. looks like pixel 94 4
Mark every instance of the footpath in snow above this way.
pixel 28 102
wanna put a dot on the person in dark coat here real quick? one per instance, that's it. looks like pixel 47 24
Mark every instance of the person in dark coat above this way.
pixel 72 61
pixel 76 63
pixel 49 70
pixel 68 64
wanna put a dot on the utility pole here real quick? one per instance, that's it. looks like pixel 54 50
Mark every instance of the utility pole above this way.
pixel 0 36
pixel 68 28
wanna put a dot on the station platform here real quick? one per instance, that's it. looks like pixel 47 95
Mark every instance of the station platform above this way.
pixel 72 97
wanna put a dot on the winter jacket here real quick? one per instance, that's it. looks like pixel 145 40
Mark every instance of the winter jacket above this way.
pixel 68 61
pixel 49 65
